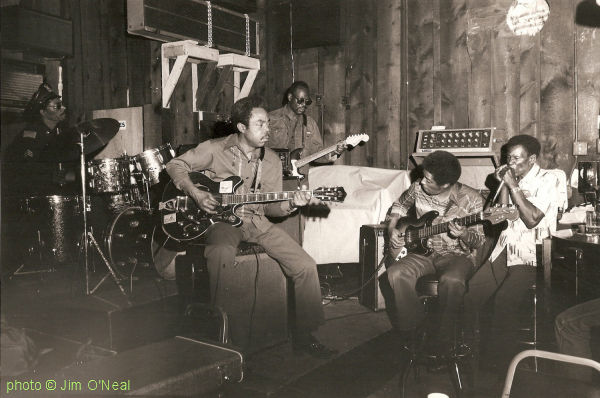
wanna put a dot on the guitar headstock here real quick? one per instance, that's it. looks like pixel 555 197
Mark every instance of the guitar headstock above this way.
pixel 497 214
pixel 330 194
pixel 354 140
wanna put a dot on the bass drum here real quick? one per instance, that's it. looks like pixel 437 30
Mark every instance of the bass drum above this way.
pixel 135 239
pixel 128 238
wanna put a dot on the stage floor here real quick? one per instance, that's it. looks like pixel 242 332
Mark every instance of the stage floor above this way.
pixel 73 328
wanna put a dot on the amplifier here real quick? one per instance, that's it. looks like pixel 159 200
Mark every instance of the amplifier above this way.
pixel 475 149
pixel 372 244
pixel 456 140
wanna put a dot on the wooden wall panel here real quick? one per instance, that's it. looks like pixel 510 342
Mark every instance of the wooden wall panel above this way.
pixel 420 67
pixel 332 62
pixel 360 66
pixel 139 70
pixel 529 85
pixel 588 84
pixel 116 57
pixel 479 38
pixel 387 144
pixel 557 88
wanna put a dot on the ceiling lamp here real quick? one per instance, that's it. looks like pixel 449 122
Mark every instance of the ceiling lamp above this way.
pixel 527 17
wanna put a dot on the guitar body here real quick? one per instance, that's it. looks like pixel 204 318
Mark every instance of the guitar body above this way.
pixel 185 221
pixel 295 155
pixel 413 245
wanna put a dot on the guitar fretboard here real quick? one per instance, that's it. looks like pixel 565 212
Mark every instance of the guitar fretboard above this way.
pixel 315 155
pixel 436 229
pixel 243 198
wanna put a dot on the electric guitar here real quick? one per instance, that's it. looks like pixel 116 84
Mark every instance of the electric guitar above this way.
pixel 296 162
pixel 183 220
pixel 416 232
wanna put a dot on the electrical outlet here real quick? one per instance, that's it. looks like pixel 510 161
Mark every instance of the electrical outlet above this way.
pixel 580 148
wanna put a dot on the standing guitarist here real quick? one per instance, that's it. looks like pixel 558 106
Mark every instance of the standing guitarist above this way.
pixel 291 128
pixel 243 154
pixel 453 254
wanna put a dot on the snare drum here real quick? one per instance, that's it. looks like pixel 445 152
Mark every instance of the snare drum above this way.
pixel 109 175
pixel 152 161
pixel 57 225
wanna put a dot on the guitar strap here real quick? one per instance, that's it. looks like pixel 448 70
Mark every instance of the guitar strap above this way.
pixel 303 128
pixel 258 171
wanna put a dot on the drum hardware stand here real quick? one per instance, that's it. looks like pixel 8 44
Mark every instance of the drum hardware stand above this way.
pixel 88 236
pixel 41 259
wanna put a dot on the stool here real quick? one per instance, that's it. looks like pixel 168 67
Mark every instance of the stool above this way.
pixel 427 289
pixel 252 293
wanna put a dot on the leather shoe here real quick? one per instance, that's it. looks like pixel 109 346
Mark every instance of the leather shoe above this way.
pixel 314 348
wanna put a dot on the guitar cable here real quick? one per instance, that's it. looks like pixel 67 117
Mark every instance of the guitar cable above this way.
pixel 346 296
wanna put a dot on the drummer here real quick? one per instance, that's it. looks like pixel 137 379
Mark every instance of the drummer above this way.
pixel 36 160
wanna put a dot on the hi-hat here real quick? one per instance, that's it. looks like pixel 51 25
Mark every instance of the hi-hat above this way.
pixel 97 133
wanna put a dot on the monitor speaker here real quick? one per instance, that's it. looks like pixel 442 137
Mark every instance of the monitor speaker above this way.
pixel 372 244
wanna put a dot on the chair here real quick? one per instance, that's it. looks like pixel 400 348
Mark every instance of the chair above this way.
pixel 537 384
pixel 461 356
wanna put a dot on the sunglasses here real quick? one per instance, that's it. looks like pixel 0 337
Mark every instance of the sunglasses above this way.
pixel 301 101
pixel 58 105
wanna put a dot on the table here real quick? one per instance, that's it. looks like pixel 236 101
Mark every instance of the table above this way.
pixel 572 263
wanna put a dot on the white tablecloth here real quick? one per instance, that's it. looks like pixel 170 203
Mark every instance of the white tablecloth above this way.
pixel 370 193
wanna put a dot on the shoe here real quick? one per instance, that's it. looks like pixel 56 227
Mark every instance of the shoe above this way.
pixel 313 347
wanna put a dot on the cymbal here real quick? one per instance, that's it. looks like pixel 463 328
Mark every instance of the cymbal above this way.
pixel 97 133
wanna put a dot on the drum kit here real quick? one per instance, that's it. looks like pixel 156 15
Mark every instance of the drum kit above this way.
pixel 122 186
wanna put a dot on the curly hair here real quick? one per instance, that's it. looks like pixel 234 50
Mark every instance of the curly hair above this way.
pixel 443 166
pixel 242 109
pixel 530 143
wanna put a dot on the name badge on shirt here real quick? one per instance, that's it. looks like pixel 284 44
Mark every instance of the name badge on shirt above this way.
pixel 226 187
pixel 29 134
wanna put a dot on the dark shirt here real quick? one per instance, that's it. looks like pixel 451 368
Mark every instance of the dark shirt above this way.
pixel 32 162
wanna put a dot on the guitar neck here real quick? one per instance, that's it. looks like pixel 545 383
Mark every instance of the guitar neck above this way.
pixel 443 227
pixel 244 198
pixel 316 155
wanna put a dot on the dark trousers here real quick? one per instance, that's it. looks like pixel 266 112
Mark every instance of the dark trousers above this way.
pixel 453 271
pixel 509 288
pixel 222 243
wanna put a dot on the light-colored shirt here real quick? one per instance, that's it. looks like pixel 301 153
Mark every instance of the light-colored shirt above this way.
pixel 462 201
pixel 542 188
pixel 221 158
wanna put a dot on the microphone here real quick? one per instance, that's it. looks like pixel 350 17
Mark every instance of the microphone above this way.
pixel 498 191
pixel 508 169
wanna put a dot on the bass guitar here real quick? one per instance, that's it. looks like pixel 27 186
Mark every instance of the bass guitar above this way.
pixel 416 232
pixel 183 220
pixel 296 162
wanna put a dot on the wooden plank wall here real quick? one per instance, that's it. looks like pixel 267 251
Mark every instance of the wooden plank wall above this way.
pixel 489 77
pixel 461 67
pixel 401 66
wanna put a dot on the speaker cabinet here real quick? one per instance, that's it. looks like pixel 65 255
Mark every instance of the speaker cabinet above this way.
pixel 372 243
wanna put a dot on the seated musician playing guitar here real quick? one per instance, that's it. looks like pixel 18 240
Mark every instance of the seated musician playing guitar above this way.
pixel 244 155
pixel 450 255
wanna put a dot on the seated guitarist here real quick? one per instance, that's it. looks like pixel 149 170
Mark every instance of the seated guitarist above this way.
pixel 291 128
pixel 452 255
pixel 243 154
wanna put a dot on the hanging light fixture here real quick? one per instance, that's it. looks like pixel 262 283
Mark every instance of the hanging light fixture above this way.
pixel 527 17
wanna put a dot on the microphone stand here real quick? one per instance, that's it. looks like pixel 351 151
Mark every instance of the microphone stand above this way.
pixel 88 236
